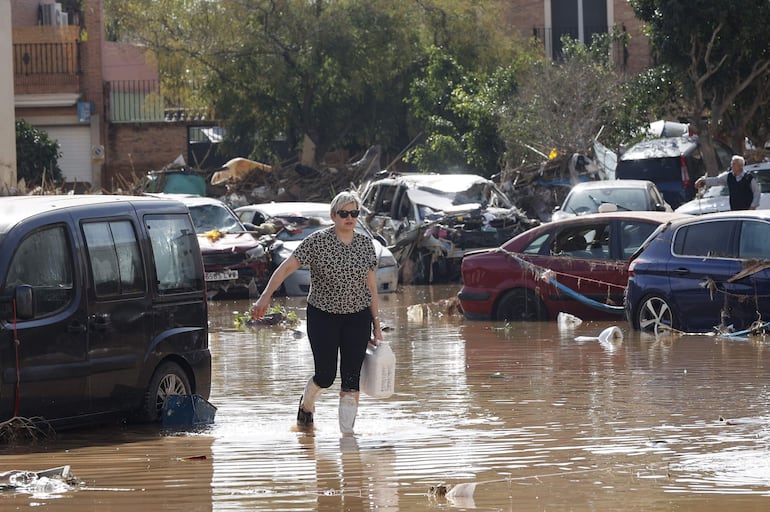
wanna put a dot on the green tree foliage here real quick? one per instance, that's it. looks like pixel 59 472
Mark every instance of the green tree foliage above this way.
pixel 649 96
pixel 473 32
pixel 563 105
pixel 458 110
pixel 36 156
pixel 332 71
pixel 335 72
pixel 720 52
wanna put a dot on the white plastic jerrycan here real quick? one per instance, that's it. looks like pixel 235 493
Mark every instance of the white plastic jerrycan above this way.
pixel 378 373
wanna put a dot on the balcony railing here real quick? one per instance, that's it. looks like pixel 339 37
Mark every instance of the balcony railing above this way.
pixel 144 101
pixel 46 64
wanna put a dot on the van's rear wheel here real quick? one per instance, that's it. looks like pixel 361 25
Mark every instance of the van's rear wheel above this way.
pixel 169 379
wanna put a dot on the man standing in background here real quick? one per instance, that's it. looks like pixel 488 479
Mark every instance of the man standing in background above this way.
pixel 744 188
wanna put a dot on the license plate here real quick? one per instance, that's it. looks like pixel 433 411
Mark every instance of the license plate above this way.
pixel 225 275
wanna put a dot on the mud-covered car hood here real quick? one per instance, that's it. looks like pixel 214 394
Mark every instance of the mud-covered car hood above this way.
pixel 438 203
pixel 226 242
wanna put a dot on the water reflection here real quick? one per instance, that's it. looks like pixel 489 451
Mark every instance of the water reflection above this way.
pixel 535 416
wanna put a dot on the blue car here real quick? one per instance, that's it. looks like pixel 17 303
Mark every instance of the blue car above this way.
pixel 702 273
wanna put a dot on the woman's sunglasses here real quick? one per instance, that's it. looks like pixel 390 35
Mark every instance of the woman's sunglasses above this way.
pixel 344 213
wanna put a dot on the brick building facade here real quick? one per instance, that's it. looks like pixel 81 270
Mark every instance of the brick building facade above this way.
pixel 69 100
pixel 547 19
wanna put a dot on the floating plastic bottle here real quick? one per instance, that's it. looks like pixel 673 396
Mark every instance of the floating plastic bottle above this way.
pixel 567 321
pixel 378 373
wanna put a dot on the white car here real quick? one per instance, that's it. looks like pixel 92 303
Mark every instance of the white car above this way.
pixel 296 220
pixel 624 195
pixel 717 198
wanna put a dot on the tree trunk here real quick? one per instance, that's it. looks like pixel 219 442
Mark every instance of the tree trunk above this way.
pixel 709 153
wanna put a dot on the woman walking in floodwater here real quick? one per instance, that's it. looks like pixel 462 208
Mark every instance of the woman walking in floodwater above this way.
pixel 342 306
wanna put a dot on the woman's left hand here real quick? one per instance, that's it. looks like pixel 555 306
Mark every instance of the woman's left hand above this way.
pixel 376 336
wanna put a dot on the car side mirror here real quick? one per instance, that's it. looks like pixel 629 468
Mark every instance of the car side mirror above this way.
pixel 660 208
pixel 25 304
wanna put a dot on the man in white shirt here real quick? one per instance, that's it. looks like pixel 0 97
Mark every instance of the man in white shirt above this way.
pixel 744 188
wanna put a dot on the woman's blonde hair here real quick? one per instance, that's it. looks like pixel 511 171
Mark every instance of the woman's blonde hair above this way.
pixel 344 198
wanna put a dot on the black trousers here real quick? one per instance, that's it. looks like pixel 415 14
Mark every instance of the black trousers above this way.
pixel 331 334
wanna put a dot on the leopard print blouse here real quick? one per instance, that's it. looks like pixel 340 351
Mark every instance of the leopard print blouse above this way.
pixel 337 271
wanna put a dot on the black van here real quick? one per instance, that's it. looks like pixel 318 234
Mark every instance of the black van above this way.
pixel 672 163
pixel 102 307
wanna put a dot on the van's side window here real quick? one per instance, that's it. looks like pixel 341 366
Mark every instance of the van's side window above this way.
pixel 116 262
pixel 44 261
pixel 174 249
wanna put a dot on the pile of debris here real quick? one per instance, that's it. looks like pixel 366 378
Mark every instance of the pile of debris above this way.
pixel 535 189
pixel 241 181
pixel 421 251
pixel 538 188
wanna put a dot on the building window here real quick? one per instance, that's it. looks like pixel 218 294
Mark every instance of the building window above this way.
pixel 579 19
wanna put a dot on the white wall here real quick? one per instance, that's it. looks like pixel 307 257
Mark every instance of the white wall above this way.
pixel 7 122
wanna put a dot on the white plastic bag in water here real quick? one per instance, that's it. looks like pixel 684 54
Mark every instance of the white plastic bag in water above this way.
pixel 567 321
pixel 378 373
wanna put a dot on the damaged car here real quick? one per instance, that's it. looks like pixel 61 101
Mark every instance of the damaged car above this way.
pixel 577 265
pixel 237 261
pixel 292 222
pixel 430 221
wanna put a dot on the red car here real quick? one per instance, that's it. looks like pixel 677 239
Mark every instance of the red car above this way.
pixel 577 265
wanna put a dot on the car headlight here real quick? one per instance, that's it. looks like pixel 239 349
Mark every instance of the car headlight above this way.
pixel 386 260
pixel 256 253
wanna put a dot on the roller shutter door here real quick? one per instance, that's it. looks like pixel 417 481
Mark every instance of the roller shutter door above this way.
pixel 75 146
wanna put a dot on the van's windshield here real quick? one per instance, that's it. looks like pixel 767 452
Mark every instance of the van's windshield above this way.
pixel 44 261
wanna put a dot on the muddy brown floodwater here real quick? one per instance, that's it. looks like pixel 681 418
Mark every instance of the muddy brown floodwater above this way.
pixel 517 417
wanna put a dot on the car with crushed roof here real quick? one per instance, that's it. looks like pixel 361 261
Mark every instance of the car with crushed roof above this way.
pixel 672 163
pixel 576 265
pixel 430 221
pixel 291 222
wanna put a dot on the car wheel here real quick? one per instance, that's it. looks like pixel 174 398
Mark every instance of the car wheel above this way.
pixel 521 305
pixel 655 315
pixel 169 379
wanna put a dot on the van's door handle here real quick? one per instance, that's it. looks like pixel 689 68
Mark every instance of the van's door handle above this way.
pixel 681 271
pixel 99 322
pixel 76 328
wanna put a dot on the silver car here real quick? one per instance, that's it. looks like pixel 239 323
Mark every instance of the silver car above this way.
pixel 625 195
pixel 295 221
